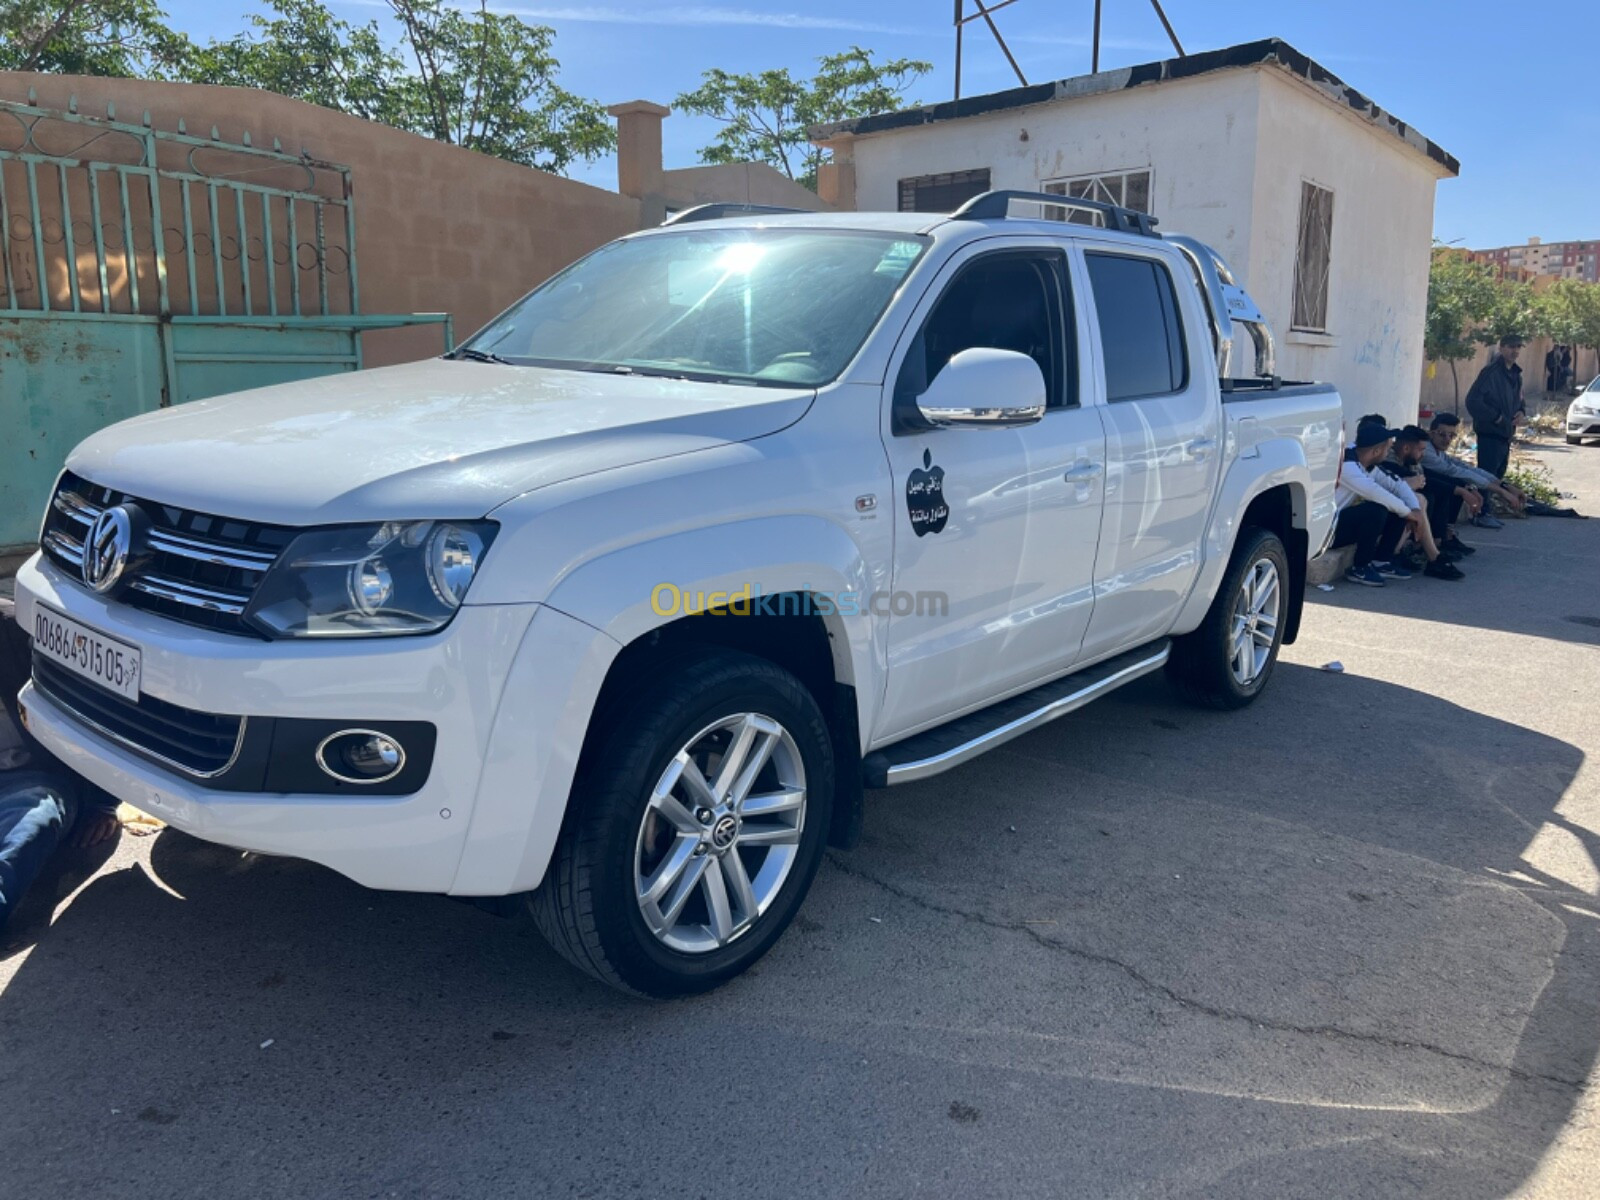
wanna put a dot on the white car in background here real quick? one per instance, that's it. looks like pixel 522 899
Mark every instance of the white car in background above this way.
pixel 1583 414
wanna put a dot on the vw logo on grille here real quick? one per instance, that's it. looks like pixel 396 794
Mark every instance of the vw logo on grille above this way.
pixel 106 547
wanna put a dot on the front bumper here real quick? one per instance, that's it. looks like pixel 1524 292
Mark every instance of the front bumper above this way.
pixel 1583 426
pixel 453 680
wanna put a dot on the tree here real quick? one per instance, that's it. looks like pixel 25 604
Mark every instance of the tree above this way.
pixel 87 37
pixel 1463 296
pixel 1569 313
pixel 477 79
pixel 765 114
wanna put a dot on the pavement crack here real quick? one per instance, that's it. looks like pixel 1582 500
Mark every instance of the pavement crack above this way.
pixel 1155 987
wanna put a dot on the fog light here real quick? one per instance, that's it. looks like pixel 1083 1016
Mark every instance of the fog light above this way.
pixel 361 756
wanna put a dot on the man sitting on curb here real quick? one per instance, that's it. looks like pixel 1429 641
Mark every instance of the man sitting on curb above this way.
pixel 1404 465
pixel 1392 477
pixel 1372 515
pixel 1436 460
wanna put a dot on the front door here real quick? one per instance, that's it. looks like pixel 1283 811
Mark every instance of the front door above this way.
pixel 995 529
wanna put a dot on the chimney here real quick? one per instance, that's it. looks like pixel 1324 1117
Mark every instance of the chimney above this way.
pixel 639 148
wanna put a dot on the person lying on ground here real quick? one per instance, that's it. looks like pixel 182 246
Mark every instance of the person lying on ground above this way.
pixel 42 804
pixel 1436 458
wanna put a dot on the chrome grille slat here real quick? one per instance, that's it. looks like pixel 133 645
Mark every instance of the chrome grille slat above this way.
pixel 223 556
pixel 64 546
pixel 76 507
pixel 232 603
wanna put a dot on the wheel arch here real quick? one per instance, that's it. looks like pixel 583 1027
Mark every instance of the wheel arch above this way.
pixel 1269 490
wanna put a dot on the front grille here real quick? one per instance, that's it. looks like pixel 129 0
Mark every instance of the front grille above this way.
pixel 198 742
pixel 193 567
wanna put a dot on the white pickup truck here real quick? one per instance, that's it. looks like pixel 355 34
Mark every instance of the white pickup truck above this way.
pixel 617 610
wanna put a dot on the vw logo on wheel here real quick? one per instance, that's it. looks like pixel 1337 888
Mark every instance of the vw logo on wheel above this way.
pixel 106 548
pixel 722 833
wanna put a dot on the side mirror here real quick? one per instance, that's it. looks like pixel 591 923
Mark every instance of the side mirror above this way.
pixel 982 388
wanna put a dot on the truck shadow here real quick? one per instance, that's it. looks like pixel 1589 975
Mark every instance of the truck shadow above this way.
pixel 1193 924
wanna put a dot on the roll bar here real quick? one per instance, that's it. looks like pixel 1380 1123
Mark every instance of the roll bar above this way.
pixel 1230 306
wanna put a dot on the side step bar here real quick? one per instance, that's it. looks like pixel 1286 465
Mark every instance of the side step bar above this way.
pixel 949 745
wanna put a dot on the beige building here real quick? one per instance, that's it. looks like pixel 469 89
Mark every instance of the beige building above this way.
pixel 1540 259
pixel 1320 200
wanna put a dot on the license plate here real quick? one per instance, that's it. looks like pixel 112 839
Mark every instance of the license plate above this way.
pixel 102 660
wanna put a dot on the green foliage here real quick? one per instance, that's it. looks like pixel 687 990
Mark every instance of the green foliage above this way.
pixel 765 114
pixel 1535 481
pixel 1462 298
pixel 483 80
pixel 87 37
pixel 1569 313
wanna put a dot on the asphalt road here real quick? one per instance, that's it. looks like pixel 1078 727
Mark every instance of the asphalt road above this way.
pixel 1344 944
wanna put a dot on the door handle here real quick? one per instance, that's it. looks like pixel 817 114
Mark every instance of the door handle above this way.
pixel 1201 447
pixel 1084 473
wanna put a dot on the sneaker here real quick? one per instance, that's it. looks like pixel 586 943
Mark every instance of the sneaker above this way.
pixel 1389 570
pixel 1485 521
pixel 1443 570
pixel 1457 545
pixel 1447 555
pixel 1366 576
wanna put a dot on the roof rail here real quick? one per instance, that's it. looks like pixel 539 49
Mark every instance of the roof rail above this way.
pixel 715 212
pixel 992 205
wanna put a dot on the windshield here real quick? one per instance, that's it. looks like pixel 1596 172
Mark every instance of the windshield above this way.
pixel 765 306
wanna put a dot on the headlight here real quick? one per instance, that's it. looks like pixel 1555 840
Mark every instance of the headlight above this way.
pixel 361 580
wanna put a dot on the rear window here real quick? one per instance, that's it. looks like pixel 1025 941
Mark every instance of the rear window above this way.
pixel 1141 337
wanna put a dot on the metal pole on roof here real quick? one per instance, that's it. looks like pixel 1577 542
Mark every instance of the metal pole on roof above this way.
pixel 1004 49
pixel 1167 25
pixel 960 25
pixel 1094 67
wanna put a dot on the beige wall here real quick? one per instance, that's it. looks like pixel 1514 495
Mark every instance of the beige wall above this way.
pixel 438 228
pixel 1383 194
pixel 1439 393
pixel 742 183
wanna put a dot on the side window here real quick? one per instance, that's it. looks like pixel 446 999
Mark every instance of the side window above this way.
pixel 1005 301
pixel 1141 334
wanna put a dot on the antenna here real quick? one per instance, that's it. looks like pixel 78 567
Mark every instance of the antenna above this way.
pixel 985 12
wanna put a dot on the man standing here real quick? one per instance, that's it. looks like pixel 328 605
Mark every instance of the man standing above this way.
pixel 1495 404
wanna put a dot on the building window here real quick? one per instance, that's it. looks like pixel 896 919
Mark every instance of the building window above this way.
pixel 1312 258
pixel 942 193
pixel 1126 189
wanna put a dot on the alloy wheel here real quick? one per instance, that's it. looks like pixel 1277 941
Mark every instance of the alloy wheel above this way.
pixel 1255 622
pixel 721 833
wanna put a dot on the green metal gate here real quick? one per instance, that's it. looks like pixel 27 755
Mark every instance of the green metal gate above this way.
pixel 144 268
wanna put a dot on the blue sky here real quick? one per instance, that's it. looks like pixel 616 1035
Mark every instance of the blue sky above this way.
pixel 1512 91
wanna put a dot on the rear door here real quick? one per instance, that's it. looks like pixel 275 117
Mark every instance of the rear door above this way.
pixel 1163 424
pixel 995 529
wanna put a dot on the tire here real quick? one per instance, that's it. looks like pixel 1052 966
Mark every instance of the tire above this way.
pixel 1203 663
pixel 1573 440
pixel 622 834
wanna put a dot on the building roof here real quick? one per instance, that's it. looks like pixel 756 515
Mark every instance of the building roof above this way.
pixel 1269 52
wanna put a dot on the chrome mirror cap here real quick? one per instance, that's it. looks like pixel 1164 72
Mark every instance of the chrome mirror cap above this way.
pixel 983 388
